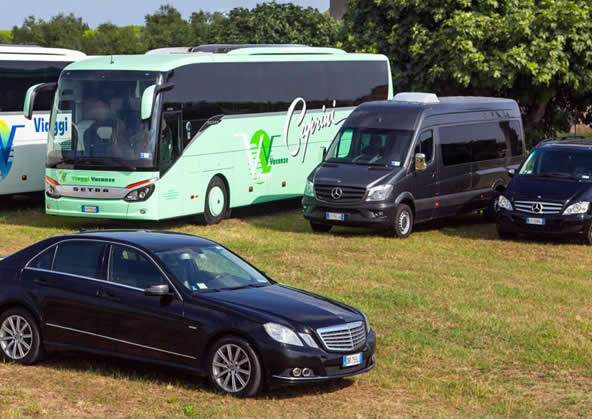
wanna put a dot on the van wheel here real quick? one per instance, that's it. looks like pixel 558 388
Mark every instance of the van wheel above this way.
pixel 403 221
pixel 588 236
pixel 234 367
pixel 320 227
pixel 20 340
pixel 216 205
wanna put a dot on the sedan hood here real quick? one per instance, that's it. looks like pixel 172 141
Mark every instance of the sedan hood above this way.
pixel 352 174
pixel 294 306
pixel 541 189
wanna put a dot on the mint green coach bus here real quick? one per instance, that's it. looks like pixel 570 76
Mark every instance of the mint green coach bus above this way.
pixel 169 134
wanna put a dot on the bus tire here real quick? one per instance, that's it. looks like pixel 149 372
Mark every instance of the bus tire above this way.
pixel 216 205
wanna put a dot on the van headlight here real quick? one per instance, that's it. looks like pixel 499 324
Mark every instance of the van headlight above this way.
pixel 379 193
pixel 140 194
pixel 309 189
pixel 503 202
pixel 577 208
pixel 282 334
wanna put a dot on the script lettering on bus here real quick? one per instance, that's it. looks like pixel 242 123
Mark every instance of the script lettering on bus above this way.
pixel 310 127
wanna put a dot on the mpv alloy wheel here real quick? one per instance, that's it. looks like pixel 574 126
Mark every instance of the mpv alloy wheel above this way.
pixel 235 368
pixel 19 337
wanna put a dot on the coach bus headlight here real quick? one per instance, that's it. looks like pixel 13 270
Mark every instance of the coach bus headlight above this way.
pixel 309 189
pixel 140 194
pixel 51 191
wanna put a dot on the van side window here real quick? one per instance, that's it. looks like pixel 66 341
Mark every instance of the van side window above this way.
pixel 514 136
pixel 455 145
pixel 425 145
pixel 473 143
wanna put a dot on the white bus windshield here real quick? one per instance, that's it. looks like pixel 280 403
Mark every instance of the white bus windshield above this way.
pixel 96 122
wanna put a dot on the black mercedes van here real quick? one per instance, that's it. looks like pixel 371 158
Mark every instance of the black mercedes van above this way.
pixel 415 158
pixel 551 192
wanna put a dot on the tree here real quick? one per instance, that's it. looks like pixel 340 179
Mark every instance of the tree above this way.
pixel 538 52
pixel 111 39
pixel 166 28
pixel 5 37
pixel 61 31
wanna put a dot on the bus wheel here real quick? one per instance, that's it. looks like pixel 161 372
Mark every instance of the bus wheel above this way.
pixel 216 205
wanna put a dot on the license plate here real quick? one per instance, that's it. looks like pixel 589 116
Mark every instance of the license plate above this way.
pixel 90 209
pixel 535 221
pixel 352 360
pixel 334 216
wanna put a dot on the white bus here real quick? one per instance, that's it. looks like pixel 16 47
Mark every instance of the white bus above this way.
pixel 22 141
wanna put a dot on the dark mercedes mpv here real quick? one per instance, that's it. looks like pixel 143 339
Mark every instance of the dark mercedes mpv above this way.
pixel 413 159
pixel 177 300
pixel 551 192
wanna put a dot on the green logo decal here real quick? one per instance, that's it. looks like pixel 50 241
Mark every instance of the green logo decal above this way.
pixel 62 175
pixel 260 157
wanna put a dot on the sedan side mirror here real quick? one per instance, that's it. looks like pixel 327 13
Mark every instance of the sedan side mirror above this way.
pixel 420 162
pixel 511 172
pixel 160 290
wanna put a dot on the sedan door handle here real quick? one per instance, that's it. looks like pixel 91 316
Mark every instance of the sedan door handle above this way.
pixel 107 295
pixel 40 281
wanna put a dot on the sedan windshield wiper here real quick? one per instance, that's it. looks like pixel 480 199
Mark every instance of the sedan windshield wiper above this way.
pixel 240 287
pixel 557 175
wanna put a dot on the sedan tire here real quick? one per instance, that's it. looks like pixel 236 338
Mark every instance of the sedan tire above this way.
pixel 235 368
pixel 20 340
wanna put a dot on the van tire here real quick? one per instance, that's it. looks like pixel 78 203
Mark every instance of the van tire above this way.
pixel 403 221
pixel 216 202
pixel 320 227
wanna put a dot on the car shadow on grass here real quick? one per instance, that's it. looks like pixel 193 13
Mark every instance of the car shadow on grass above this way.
pixel 112 367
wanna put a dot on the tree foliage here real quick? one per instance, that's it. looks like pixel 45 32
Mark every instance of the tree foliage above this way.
pixel 111 39
pixel 538 52
pixel 61 31
pixel 166 28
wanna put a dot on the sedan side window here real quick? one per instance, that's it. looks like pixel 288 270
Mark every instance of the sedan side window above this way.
pixel 129 267
pixel 79 258
pixel 44 260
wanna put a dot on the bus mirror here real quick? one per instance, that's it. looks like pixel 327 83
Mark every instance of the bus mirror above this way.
pixel 420 162
pixel 324 153
pixel 147 102
pixel 32 93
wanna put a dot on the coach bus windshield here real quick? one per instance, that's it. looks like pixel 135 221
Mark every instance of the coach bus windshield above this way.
pixel 96 122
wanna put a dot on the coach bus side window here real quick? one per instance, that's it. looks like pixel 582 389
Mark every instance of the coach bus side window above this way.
pixel 169 140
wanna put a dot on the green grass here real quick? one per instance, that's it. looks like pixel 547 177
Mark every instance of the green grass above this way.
pixel 466 324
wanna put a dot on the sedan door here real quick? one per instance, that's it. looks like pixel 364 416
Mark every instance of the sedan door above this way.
pixel 135 324
pixel 63 280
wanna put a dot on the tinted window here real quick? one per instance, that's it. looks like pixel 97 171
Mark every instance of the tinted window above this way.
pixel 131 268
pixel 17 76
pixel 206 90
pixel 514 137
pixel 44 260
pixel 79 258
pixel 425 145
pixel 476 142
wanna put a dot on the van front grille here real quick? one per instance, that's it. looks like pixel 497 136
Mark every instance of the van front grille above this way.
pixel 339 193
pixel 344 337
pixel 536 207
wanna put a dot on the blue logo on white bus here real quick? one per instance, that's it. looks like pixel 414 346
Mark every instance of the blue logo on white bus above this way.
pixel 6 147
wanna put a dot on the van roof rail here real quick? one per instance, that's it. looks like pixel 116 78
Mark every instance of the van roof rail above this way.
pixel 416 97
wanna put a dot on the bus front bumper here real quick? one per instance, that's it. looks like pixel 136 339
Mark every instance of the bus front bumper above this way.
pixel 102 208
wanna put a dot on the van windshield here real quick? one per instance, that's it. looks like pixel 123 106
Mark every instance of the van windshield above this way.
pixel 560 163
pixel 370 146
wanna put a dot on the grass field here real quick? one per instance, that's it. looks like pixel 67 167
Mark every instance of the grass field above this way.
pixel 467 325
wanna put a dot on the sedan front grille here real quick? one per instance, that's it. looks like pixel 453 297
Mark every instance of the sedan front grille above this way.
pixel 536 207
pixel 344 337
pixel 339 193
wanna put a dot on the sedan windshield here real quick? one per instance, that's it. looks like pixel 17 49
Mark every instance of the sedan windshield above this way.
pixel 560 163
pixel 96 122
pixel 211 268
pixel 370 146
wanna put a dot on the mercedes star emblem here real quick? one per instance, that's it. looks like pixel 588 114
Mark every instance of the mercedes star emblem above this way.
pixel 336 193
pixel 537 207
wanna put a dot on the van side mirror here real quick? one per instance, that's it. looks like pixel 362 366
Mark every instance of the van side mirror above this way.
pixel 32 94
pixel 160 290
pixel 420 162
pixel 511 172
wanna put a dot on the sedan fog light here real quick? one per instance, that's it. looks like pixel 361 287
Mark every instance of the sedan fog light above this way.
pixel 296 372
pixel 306 372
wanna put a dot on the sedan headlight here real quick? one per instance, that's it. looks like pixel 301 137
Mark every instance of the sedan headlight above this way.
pixel 503 202
pixel 366 322
pixel 140 194
pixel 282 334
pixel 309 189
pixel 577 208
pixel 379 193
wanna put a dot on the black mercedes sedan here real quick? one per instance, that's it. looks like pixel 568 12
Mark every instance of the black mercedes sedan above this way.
pixel 177 300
